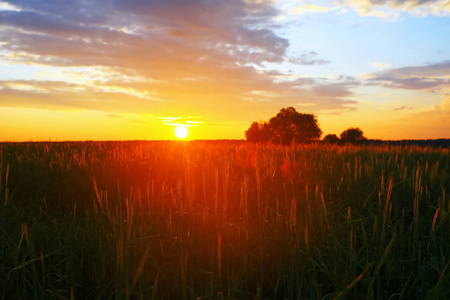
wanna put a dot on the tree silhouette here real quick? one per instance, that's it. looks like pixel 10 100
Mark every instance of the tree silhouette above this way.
pixel 259 132
pixel 331 139
pixel 353 135
pixel 288 126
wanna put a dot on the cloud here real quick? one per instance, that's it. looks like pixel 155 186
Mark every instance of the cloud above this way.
pixel 308 58
pixel 429 124
pixel 55 95
pixel 392 9
pixel 189 121
pixel 154 56
pixel 432 77
pixel 333 90
pixel 79 31
pixel 114 116
pixel 309 8
pixel 31 21
pixel 387 9
pixel 380 65
pixel 403 108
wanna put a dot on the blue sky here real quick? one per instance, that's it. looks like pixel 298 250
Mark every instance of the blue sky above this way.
pixel 135 69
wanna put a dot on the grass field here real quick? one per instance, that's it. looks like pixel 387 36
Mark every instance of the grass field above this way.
pixel 223 220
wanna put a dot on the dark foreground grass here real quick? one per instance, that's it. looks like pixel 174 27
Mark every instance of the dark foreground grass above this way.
pixel 205 220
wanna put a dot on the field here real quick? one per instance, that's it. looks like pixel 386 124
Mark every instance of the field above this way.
pixel 223 220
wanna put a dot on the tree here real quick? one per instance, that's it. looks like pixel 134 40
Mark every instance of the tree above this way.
pixel 331 139
pixel 353 135
pixel 258 132
pixel 288 126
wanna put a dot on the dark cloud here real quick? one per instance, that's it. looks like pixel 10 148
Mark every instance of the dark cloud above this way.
pixel 36 22
pixel 430 77
pixel 437 69
pixel 79 11
pixel 231 28
pixel 196 49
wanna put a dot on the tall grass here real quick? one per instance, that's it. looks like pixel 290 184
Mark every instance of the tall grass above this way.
pixel 219 220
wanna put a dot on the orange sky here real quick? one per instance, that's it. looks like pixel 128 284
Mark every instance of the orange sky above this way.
pixel 129 70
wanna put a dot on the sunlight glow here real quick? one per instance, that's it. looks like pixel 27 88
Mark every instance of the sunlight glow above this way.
pixel 181 131
pixel 4 6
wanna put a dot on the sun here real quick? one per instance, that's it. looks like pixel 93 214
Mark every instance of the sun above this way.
pixel 181 131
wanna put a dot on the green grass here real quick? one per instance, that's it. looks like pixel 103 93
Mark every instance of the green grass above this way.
pixel 219 220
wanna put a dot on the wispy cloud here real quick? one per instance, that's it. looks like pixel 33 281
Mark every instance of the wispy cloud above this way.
pixel 299 9
pixel 189 121
pixel 380 65
pixel 427 124
pixel 392 9
pixel 386 9
pixel 403 108
pixel 432 77
pixel 308 58
pixel 114 116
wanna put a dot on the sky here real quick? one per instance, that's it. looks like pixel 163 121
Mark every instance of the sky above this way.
pixel 135 69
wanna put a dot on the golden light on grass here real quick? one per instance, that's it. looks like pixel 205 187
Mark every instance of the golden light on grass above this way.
pixel 231 204
pixel 181 131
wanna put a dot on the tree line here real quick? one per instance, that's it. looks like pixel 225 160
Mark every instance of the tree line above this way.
pixel 290 126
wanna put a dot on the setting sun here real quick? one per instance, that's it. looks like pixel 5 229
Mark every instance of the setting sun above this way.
pixel 181 131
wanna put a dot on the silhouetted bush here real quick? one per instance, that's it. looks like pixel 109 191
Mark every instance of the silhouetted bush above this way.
pixel 353 136
pixel 287 127
pixel 331 139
